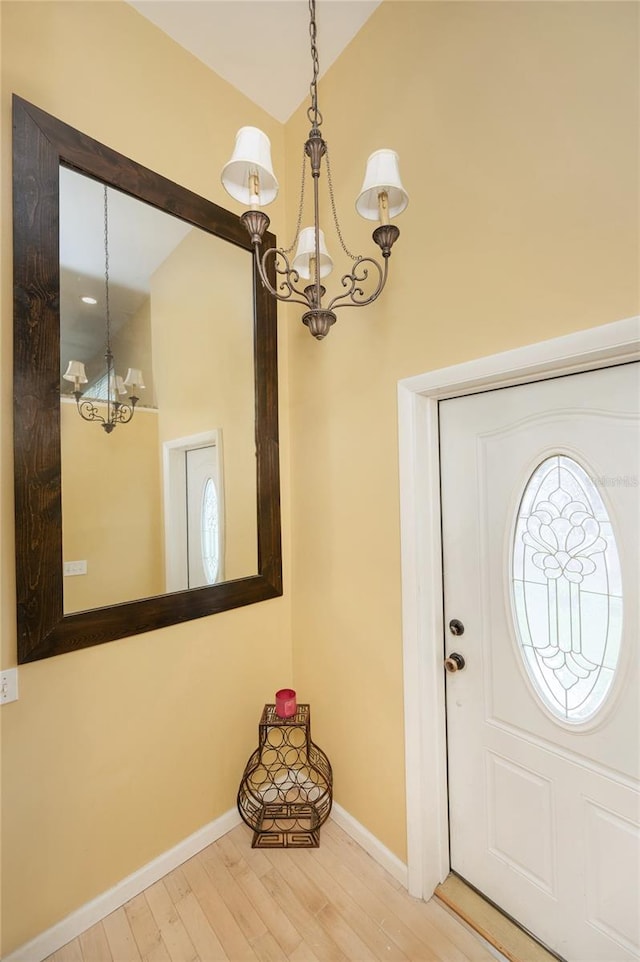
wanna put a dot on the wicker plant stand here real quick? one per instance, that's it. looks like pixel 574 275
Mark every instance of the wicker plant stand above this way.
pixel 286 790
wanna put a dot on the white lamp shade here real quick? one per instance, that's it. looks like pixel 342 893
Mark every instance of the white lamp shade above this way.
pixel 134 378
pixel 75 372
pixel 382 174
pixel 307 249
pixel 116 385
pixel 251 155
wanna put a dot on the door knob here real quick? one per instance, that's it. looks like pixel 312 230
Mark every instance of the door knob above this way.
pixel 454 662
pixel 456 627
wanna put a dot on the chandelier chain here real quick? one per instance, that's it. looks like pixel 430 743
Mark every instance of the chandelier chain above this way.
pixel 288 250
pixel 106 268
pixel 116 412
pixel 314 115
pixel 354 257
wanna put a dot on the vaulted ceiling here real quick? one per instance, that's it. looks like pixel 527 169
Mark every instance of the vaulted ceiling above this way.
pixel 260 46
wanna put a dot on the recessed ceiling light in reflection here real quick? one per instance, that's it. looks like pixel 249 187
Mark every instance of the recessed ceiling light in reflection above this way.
pixel 88 300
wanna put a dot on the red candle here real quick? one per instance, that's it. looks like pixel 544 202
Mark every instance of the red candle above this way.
pixel 285 703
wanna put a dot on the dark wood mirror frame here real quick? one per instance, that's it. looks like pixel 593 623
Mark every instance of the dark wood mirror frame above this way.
pixel 41 143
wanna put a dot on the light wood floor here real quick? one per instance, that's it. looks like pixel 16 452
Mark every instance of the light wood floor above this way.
pixel 234 902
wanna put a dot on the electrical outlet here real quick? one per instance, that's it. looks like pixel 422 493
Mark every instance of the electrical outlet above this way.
pixel 8 685
pixel 75 568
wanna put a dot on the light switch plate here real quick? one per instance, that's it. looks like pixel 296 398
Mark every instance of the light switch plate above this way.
pixel 8 685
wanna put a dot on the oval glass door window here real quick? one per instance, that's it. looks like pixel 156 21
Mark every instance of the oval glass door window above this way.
pixel 567 590
pixel 209 532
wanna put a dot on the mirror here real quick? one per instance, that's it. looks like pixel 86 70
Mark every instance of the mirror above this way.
pixel 187 308
pixel 135 522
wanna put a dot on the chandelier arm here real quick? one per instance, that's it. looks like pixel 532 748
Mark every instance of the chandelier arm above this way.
pixel 119 413
pixel 87 410
pixel 355 296
pixel 124 413
pixel 290 277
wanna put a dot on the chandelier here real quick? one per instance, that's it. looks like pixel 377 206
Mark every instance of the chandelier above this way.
pixel 249 178
pixel 115 410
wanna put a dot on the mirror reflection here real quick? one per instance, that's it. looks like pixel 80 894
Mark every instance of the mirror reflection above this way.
pixel 166 500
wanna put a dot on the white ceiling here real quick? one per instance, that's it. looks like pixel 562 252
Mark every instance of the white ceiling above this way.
pixel 261 46
pixel 140 239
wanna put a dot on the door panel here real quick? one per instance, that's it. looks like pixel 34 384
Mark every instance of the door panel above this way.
pixel 544 811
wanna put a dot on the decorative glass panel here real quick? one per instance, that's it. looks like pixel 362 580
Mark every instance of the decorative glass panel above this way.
pixel 567 589
pixel 209 532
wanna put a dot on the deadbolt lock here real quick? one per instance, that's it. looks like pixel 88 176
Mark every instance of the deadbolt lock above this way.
pixel 456 627
pixel 454 662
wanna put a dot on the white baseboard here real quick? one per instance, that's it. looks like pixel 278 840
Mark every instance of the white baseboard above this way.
pixel 92 912
pixel 87 915
pixel 370 844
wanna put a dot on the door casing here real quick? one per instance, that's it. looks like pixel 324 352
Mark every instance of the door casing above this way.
pixel 421 556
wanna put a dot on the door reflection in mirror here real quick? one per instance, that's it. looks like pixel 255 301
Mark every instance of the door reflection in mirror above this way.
pixel 195 522
pixel 205 525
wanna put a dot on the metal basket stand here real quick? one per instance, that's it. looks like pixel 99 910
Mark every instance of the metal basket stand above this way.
pixel 287 787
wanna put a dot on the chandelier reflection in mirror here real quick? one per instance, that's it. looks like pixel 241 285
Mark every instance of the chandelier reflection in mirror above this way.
pixel 115 410
pixel 249 178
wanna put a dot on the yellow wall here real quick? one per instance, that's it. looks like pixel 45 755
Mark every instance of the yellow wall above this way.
pixel 111 509
pixel 114 754
pixel 132 347
pixel 516 125
pixel 517 130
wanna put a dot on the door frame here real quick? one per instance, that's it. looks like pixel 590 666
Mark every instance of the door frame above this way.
pixel 421 560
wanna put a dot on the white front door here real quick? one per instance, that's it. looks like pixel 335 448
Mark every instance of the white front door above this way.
pixel 540 518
